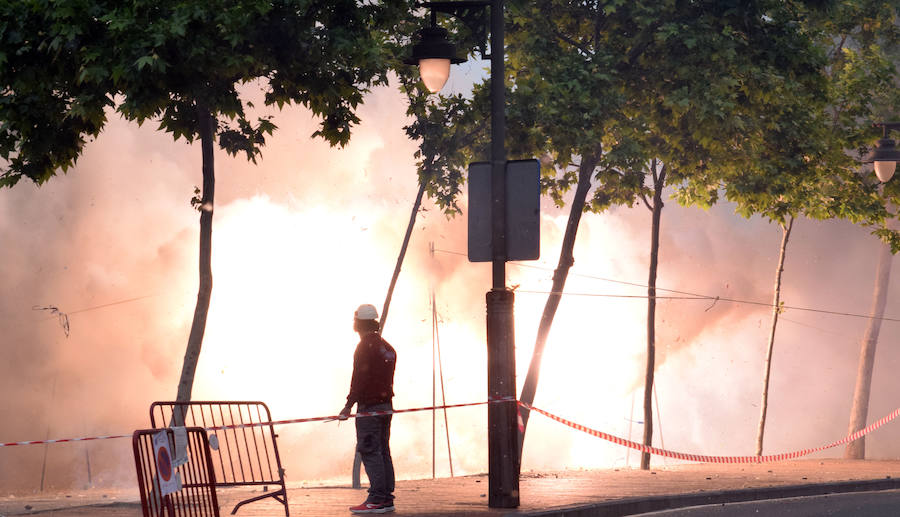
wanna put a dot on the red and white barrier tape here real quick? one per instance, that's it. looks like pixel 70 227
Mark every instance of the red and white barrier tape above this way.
pixel 599 434
pixel 714 459
pixel 275 422
pixel 356 415
pixel 63 440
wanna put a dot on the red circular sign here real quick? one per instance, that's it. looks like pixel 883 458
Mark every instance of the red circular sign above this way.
pixel 164 464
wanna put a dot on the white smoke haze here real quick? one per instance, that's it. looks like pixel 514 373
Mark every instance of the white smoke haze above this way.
pixel 311 232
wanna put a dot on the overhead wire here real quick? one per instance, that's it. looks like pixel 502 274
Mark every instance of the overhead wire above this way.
pixel 120 302
pixel 63 317
pixel 607 295
pixel 687 295
pixel 820 329
pixel 55 309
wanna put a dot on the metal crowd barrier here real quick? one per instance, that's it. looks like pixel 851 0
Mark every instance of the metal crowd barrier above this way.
pixel 197 497
pixel 246 456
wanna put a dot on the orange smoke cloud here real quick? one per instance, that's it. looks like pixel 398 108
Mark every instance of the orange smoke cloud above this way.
pixel 311 232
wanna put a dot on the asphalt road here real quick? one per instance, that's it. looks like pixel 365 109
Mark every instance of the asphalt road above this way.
pixel 860 504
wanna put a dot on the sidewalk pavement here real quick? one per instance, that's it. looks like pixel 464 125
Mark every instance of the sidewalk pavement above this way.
pixel 572 493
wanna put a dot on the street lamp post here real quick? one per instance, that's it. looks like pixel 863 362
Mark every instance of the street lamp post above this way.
pixel 434 54
pixel 884 158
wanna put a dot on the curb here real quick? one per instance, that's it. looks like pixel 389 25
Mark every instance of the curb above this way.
pixel 639 505
pixel 51 510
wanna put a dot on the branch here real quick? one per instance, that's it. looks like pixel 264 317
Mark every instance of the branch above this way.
pixel 570 41
pixel 643 41
pixel 644 200
pixel 838 48
pixel 599 26
pixel 467 139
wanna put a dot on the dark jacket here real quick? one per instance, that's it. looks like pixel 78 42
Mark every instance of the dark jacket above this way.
pixel 373 371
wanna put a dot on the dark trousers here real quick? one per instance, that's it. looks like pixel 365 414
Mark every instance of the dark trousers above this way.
pixel 373 434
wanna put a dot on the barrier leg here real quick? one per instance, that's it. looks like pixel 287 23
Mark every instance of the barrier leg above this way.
pixel 275 495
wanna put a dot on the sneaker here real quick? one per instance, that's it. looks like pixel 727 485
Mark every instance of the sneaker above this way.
pixel 373 508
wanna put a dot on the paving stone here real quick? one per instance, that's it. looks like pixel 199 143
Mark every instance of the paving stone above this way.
pixel 563 492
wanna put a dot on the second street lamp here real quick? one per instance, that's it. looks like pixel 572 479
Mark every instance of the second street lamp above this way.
pixel 503 455
pixel 885 155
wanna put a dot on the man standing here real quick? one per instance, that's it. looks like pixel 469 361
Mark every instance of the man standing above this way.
pixel 371 389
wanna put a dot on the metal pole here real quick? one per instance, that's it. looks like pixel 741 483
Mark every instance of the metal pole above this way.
pixel 503 457
pixel 498 148
pixel 433 385
pixel 443 396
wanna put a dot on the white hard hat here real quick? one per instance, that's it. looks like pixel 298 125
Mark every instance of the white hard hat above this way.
pixel 366 312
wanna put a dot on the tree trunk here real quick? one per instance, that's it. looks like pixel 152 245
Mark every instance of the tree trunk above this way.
pixel 409 228
pixel 776 310
pixel 659 182
pixel 856 450
pixel 198 326
pixel 566 260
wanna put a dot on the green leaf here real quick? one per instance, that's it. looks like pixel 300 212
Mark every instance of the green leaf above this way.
pixel 143 61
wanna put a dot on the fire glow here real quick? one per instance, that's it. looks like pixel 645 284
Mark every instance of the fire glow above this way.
pixel 312 232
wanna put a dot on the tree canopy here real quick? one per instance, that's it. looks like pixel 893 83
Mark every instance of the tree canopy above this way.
pixel 737 98
pixel 762 102
pixel 810 165
pixel 64 64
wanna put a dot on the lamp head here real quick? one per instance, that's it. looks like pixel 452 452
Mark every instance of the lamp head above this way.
pixel 884 157
pixel 434 54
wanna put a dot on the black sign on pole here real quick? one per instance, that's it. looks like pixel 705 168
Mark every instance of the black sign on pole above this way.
pixel 523 210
